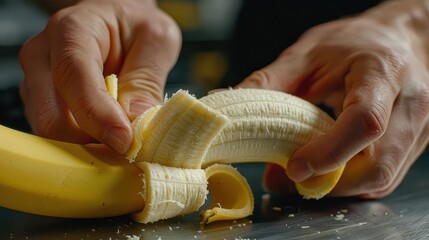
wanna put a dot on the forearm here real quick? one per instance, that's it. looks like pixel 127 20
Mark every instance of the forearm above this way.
pixel 410 21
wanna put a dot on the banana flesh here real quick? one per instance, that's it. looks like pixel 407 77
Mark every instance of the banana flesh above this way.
pixel 169 158
pixel 182 140
pixel 268 126
pixel 111 82
pixel 170 192
pixel 178 155
pixel 265 126
pixel 139 125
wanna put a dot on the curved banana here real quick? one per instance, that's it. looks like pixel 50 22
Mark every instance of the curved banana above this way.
pixel 180 149
pixel 47 177
pixel 268 126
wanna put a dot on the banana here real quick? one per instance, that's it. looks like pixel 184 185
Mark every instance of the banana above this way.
pixel 178 156
pixel 111 82
pixel 231 194
pixel 268 126
pixel 180 133
pixel 52 178
pixel 139 125
pixel 175 191
pixel 170 191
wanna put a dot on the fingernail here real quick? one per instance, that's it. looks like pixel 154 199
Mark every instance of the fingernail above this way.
pixel 298 170
pixel 118 139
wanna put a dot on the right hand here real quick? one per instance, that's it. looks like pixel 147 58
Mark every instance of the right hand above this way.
pixel 372 73
pixel 64 93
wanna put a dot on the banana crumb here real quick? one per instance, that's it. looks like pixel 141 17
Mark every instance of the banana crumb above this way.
pixel 339 217
pixel 132 237
pixel 266 196
pixel 277 209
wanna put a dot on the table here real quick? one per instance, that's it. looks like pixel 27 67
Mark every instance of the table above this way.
pixel 402 215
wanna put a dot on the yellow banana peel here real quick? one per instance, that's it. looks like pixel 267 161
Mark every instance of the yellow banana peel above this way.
pixel 180 153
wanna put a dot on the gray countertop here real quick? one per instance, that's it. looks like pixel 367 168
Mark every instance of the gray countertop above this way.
pixel 402 215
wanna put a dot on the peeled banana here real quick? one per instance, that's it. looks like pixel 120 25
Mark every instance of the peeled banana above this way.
pixel 178 157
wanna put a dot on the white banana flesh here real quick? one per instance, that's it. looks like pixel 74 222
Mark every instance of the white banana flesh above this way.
pixel 170 191
pixel 266 126
pixel 180 150
pixel 180 133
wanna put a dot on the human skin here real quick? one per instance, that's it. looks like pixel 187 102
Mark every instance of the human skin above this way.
pixel 372 71
pixel 64 93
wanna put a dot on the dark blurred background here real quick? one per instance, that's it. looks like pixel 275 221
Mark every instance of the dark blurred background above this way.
pixel 224 40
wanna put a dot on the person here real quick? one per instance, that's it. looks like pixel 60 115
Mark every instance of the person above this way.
pixel 371 69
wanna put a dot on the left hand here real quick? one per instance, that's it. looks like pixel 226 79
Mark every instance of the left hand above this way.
pixel 63 91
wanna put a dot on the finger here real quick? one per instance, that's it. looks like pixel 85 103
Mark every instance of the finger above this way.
pixel 77 52
pixel 153 53
pixel 401 145
pixel 377 174
pixel 275 180
pixel 45 111
pixel 372 86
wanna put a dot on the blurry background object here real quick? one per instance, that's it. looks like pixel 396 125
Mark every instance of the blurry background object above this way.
pixel 19 20
pixel 223 40
pixel 207 27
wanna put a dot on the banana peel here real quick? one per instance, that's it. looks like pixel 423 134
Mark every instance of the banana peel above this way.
pixel 181 152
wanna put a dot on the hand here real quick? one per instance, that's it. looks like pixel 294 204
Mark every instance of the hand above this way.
pixel 372 75
pixel 63 91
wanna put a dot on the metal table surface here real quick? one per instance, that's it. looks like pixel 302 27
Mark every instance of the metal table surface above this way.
pixel 402 215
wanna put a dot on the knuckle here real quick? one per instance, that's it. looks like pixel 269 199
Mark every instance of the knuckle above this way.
pixel 62 18
pixel 421 102
pixel 375 119
pixel 383 58
pixel 385 64
pixel 163 30
pixel 384 177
